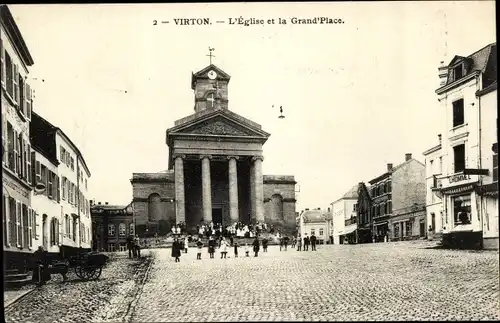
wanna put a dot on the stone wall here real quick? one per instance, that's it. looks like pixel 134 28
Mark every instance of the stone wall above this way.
pixel 408 186
pixel 284 187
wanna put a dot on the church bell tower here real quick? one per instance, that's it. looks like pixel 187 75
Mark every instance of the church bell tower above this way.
pixel 210 89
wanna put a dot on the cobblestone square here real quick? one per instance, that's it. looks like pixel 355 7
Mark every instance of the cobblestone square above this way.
pixel 386 281
pixel 390 281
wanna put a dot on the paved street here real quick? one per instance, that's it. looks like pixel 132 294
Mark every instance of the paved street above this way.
pixel 77 301
pixel 392 281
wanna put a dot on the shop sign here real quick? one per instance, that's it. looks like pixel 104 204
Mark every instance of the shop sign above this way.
pixel 12 186
pixel 458 179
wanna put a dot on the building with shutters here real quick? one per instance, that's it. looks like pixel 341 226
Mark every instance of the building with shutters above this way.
pixel 18 218
pixel 317 222
pixel 111 226
pixel 66 224
pixel 466 180
pixel 345 217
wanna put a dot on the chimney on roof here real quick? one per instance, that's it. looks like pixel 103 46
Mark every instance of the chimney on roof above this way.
pixel 389 167
pixel 106 203
pixel 407 156
pixel 443 74
pixel 439 138
pixel 306 209
pixel 99 203
pixel 328 210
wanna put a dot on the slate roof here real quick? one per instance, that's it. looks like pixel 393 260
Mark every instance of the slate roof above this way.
pixel 352 193
pixel 315 216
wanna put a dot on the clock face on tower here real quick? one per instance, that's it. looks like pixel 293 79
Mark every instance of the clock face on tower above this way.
pixel 212 75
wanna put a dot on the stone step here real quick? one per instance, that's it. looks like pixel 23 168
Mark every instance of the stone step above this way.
pixel 18 282
pixel 14 277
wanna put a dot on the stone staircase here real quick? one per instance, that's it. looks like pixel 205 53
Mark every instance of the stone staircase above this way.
pixel 14 279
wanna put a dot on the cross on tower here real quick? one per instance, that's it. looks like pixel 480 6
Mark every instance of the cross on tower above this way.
pixel 211 98
pixel 210 50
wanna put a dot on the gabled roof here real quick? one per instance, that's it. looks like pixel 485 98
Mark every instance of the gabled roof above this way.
pixel 203 74
pixel 218 124
pixel 386 174
pixel 315 216
pixel 352 193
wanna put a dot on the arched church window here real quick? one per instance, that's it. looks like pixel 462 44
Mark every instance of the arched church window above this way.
pixel 154 207
pixel 277 207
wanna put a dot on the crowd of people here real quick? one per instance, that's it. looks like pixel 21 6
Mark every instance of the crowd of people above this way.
pixel 220 242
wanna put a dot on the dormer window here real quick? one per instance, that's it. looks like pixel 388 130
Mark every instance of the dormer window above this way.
pixel 458 72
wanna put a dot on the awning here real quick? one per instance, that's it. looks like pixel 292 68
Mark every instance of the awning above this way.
pixel 350 229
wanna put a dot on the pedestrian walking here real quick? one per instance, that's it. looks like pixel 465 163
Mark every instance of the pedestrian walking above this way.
pixel 211 246
pixel 199 244
pixel 264 244
pixel 223 248
pixel 247 250
pixel 313 242
pixel 186 244
pixel 306 243
pixel 285 242
pixel 294 242
pixel 256 247
pixel 130 246
pixel 176 250
pixel 281 243
pixel 235 249
pixel 299 243
pixel 137 247
pixel 41 273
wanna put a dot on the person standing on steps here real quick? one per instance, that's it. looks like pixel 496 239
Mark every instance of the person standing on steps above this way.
pixel 176 250
pixel 313 242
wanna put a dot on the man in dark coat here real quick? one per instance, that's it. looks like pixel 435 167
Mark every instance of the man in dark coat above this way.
pixel 285 242
pixel 313 242
pixel 41 271
pixel 176 250
pixel 264 245
pixel 306 243
pixel 130 246
pixel 256 246
pixel 211 246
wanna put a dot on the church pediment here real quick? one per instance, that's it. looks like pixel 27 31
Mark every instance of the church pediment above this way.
pixel 217 124
pixel 204 72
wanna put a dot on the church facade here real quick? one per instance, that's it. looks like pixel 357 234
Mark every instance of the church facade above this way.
pixel 214 169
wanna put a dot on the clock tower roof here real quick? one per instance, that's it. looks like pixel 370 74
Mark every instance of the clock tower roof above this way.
pixel 203 74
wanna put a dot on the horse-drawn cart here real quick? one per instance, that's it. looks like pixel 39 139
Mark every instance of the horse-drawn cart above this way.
pixel 88 266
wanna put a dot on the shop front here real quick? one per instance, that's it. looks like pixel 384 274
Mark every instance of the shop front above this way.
pixel 462 226
pixel 349 234
pixel 380 231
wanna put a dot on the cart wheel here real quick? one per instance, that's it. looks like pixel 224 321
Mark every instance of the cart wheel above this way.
pixel 78 272
pixel 96 272
pixel 88 272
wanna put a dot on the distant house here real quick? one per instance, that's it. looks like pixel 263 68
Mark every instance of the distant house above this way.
pixel 364 214
pixel 315 222
pixel 344 217
pixel 112 224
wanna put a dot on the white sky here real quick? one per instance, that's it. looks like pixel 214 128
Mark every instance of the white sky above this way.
pixel 356 96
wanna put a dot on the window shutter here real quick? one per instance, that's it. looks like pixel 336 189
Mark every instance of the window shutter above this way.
pixel 2 61
pixel 58 189
pixel 16 154
pixel 16 86
pixel 35 228
pixel 33 167
pixel 22 94
pixel 25 160
pixel 47 176
pixel 29 168
pixel 18 224
pixel 62 154
pixel 28 103
pixel 5 202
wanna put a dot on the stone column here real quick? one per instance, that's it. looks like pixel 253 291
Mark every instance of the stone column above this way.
pixel 206 188
pixel 233 189
pixel 258 188
pixel 180 212
pixel 252 192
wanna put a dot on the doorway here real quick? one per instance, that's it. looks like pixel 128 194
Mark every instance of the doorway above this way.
pixel 217 215
pixel 422 228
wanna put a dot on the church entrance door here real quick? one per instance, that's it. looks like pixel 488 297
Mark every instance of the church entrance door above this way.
pixel 217 215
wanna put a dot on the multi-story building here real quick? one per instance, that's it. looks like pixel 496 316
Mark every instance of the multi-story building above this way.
pixel 364 214
pixel 18 218
pixel 69 226
pixel 316 222
pixel 433 200
pixel 468 183
pixel 111 226
pixel 398 202
pixel 344 217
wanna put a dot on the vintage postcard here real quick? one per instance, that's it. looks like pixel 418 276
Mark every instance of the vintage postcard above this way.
pixel 241 162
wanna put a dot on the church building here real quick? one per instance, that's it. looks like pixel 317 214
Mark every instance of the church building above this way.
pixel 214 169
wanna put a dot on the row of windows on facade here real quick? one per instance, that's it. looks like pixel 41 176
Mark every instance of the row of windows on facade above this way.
pixel 381 189
pixel 70 229
pixel 17 154
pixel 20 226
pixel 68 160
pixel 19 223
pixel 70 191
pixel 17 90
pixel 321 232
pixel 122 229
